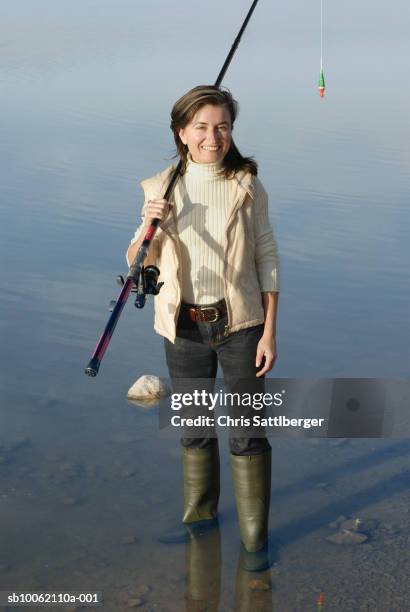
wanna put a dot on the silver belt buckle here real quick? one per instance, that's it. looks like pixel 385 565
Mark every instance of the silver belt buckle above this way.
pixel 216 313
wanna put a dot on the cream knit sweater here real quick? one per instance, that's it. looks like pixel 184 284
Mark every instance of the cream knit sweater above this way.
pixel 202 204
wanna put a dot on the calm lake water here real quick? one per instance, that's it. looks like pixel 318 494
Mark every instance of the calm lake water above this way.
pixel 86 483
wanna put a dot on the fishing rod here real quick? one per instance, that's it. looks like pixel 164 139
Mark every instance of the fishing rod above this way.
pixel 144 281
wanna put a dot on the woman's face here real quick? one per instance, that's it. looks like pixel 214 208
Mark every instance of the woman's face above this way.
pixel 208 135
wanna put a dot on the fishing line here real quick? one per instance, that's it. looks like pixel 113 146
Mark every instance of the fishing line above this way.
pixel 321 34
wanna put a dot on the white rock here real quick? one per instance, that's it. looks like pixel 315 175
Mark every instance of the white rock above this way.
pixel 148 390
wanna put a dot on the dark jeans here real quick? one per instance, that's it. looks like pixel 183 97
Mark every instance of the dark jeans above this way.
pixel 198 349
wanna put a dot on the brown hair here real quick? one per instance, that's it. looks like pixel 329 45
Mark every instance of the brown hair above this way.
pixel 184 111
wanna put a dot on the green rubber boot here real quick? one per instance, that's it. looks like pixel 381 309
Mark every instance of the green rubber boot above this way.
pixel 201 483
pixel 251 479
pixel 201 495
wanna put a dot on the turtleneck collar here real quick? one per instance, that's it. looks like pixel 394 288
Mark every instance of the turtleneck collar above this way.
pixel 203 171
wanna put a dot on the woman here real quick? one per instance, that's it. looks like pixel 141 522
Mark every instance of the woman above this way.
pixel 218 262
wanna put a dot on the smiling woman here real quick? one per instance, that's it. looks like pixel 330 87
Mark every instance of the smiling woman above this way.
pixel 218 262
pixel 208 135
pixel 205 116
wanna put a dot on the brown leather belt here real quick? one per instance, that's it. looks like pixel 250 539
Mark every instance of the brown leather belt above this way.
pixel 205 313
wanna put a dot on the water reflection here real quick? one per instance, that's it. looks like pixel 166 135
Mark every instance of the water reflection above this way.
pixel 252 590
pixel 203 571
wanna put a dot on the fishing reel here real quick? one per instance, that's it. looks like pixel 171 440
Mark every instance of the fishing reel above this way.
pixel 147 285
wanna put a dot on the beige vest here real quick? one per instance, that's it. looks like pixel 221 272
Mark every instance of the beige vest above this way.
pixel 250 260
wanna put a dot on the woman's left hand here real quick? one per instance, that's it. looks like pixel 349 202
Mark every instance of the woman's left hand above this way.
pixel 266 349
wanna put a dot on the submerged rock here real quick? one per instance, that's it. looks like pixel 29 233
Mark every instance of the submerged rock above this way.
pixel 347 537
pixel 259 585
pixel 129 539
pixel 339 442
pixel 369 524
pixel 322 485
pixel 148 390
pixel 142 589
pixel 135 602
pixel 128 472
pixel 363 525
pixel 71 501
pixel 353 524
